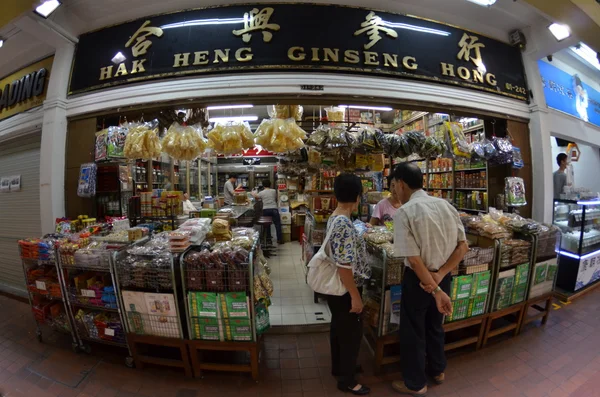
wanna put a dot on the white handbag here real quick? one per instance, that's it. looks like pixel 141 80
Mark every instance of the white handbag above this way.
pixel 323 276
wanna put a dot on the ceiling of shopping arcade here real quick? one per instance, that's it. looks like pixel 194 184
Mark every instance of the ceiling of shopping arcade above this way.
pixel 28 38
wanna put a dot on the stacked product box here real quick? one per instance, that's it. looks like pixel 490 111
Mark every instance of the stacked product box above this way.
pixel 543 278
pixel 220 317
pixel 504 289
pixel 469 295
pixel 520 287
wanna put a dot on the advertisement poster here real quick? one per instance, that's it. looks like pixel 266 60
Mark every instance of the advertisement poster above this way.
pixel 569 94
pixel 15 183
pixel 589 271
pixel 5 184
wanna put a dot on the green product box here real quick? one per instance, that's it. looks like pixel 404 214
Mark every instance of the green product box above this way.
pixel 541 273
pixel 237 329
pixel 552 269
pixel 522 274
pixel 234 305
pixel 203 304
pixel 504 289
pixel 481 283
pixel 477 305
pixel 461 288
pixel 207 329
pixel 461 309
pixel 518 294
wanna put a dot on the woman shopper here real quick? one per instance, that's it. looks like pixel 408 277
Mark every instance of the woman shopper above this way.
pixel 385 209
pixel 268 197
pixel 346 249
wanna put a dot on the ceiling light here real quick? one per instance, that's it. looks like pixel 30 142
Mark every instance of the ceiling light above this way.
pixel 485 3
pixel 1 43
pixel 230 107
pixel 234 118
pixel 47 8
pixel 560 32
pixel 118 58
pixel 587 54
pixel 201 22
pixel 383 109
pixel 416 28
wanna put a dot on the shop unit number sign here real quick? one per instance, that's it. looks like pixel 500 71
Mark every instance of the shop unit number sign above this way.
pixel 295 37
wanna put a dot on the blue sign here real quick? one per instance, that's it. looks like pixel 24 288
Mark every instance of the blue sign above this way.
pixel 569 94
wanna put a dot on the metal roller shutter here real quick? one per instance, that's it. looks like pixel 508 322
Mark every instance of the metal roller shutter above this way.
pixel 19 211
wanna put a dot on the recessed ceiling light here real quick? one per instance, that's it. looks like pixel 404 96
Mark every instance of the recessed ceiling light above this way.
pixel 234 118
pixel 589 55
pixel 560 32
pixel 47 8
pixel 485 3
pixel 118 58
pixel 230 107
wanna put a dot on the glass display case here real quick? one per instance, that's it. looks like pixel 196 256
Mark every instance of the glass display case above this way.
pixel 579 253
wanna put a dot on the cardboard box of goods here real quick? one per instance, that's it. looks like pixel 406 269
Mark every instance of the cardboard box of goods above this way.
pixel 461 287
pixel 477 305
pixel 237 329
pixel 552 269
pixel 234 305
pixel 522 274
pixel 461 309
pixel 541 272
pixel 503 296
pixel 207 329
pixel 481 283
pixel 203 304
pixel 518 293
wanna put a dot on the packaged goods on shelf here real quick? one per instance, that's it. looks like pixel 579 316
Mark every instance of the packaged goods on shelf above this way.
pixel 514 191
pixel 237 329
pixel 87 180
pixel 461 287
pixel 504 289
pixel 481 283
pixel 544 274
pixel 207 329
pixel 514 252
pixel 477 305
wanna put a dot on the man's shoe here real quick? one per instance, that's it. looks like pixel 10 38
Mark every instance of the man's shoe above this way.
pixel 357 391
pixel 439 379
pixel 400 387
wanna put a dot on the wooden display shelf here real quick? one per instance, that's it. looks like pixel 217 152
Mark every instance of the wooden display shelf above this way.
pixel 137 342
pixel 515 311
pixel 378 345
pixel 542 312
pixel 196 348
pixel 477 340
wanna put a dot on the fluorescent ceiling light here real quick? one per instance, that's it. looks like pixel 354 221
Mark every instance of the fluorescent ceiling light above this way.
pixel 416 28
pixel 47 8
pixel 118 58
pixel 589 202
pixel 383 109
pixel 485 3
pixel 201 22
pixel 1 43
pixel 587 54
pixel 560 32
pixel 234 118
pixel 230 107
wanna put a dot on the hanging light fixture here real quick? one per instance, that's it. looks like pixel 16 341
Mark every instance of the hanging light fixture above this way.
pixel 485 3
pixel 559 31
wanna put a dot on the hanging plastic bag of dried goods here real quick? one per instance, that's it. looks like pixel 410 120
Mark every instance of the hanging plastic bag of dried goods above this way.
pixel 337 137
pixel 184 142
pixel 142 141
pixel 504 151
pixel 318 138
pixel 517 158
pixel 458 142
pixel 514 190
pixel 415 141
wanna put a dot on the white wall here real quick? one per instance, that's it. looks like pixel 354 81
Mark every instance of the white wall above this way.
pixel 586 169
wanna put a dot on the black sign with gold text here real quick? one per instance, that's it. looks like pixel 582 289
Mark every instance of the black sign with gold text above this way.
pixel 295 37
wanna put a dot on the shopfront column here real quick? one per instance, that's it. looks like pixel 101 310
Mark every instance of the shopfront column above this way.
pixel 54 135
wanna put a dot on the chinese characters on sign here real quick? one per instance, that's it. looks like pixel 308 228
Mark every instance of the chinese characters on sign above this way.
pixel 470 50
pixel 558 88
pixel 142 43
pixel 372 26
pixel 257 21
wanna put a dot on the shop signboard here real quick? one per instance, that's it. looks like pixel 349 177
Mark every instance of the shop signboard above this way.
pixel 569 94
pixel 25 89
pixel 589 271
pixel 295 37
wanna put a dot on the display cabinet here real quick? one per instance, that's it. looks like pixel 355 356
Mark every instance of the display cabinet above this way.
pixel 579 253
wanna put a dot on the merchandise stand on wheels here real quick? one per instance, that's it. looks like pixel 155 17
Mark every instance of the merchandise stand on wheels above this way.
pixel 220 312
pixel 46 288
pixel 91 295
pixel 510 284
pixel 147 289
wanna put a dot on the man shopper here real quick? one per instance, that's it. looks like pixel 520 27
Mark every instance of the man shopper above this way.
pixel 430 235
pixel 229 189
pixel 560 176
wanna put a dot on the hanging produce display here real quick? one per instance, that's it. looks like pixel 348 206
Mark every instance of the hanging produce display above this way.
pixel 142 141
pixel 230 138
pixel 184 142
pixel 280 135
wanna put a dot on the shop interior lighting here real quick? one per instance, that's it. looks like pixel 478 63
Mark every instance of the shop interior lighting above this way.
pixel 560 32
pixel 47 7
pixel 380 108
pixel 202 22
pixel 230 107
pixel 575 256
pixel 233 118
pixel 118 58
pixel 587 54
pixel 485 3
pixel 416 28
pixel 1 43
pixel 589 202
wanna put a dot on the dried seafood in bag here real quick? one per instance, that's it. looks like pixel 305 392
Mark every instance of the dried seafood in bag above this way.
pixel 142 141
pixel 184 143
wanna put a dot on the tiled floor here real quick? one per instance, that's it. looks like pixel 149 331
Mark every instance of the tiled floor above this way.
pixel 293 301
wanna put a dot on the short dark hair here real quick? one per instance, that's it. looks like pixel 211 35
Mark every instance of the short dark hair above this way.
pixel 560 158
pixel 234 176
pixel 410 174
pixel 390 178
pixel 347 188
pixel 266 183
pixel 578 81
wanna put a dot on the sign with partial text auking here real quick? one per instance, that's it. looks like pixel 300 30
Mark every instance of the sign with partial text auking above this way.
pixel 295 37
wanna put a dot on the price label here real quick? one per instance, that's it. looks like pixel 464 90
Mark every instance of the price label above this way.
pixel 40 285
pixel 109 332
pixel 90 293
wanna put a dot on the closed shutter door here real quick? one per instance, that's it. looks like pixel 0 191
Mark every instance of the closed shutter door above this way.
pixel 19 211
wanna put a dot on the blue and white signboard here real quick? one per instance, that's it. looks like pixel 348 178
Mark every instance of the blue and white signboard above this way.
pixel 569 94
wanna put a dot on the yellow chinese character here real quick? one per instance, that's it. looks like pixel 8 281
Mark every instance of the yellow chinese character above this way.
pixel 372 26
pixel 141 39
pixel 467 44
pixel 257 20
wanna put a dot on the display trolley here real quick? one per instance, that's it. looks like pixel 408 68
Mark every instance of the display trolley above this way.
pixel 219 296
pixel 46 288
pixel 91 295
pixel 147 291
